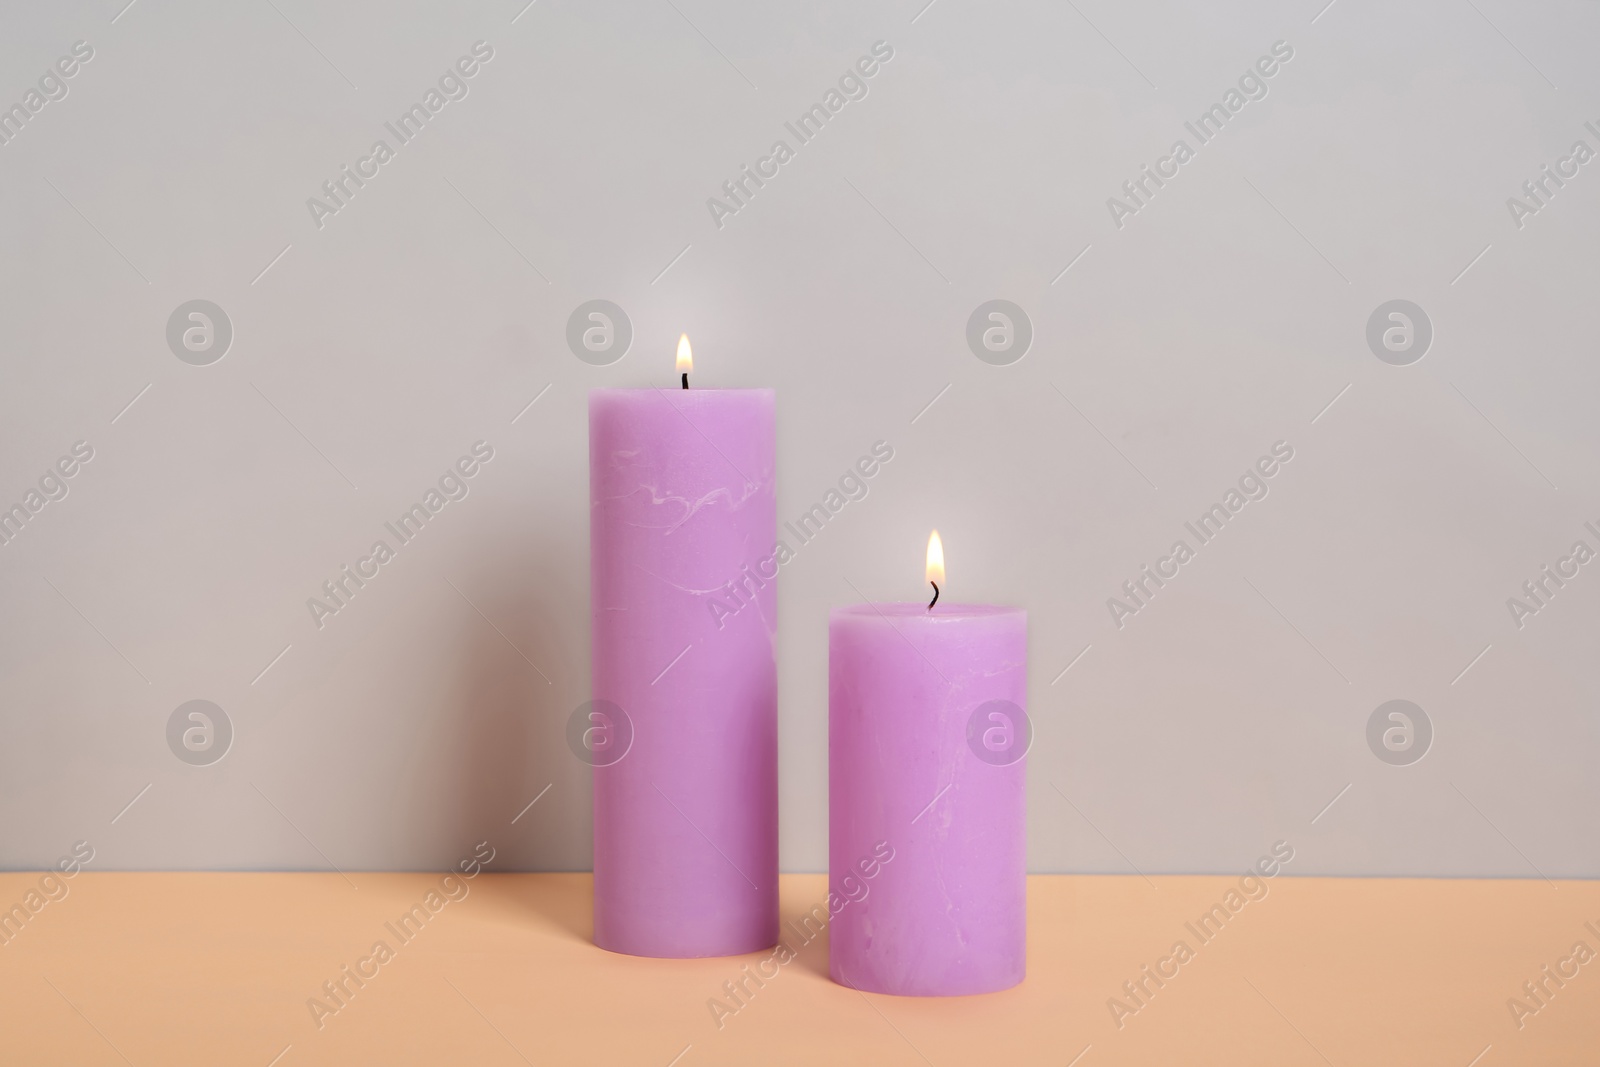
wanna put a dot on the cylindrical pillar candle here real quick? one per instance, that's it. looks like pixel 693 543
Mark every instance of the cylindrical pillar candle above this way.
pixel 926 738
pixel 683 518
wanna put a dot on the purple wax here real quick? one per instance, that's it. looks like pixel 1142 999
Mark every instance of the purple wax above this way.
pixel 683 517
pixel 927 736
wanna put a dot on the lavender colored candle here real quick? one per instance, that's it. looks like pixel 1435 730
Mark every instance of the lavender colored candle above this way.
pixel 926 739
pixel 682 501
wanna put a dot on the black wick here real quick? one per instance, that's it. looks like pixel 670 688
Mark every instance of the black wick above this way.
pixel 935 599
pixel 686 379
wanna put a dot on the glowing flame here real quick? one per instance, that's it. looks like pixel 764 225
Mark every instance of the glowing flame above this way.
pixel 685 356
pixel 935 559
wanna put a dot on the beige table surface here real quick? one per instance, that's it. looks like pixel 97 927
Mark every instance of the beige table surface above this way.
pixel 218 968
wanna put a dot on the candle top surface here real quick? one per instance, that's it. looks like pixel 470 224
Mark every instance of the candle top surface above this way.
pixel 942 612
pixel 674 389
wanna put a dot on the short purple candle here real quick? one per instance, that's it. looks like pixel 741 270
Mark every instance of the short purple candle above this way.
pixel 927 735
pixel 683 502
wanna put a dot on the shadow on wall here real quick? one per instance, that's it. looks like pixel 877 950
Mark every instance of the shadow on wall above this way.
pixel 520 666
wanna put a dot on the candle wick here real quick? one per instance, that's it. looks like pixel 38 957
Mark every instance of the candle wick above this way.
pixel 686 379
pixel 935 599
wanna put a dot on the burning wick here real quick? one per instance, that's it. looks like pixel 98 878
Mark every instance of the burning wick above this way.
pixel 935 570
pixel 935 599
pixel 685 358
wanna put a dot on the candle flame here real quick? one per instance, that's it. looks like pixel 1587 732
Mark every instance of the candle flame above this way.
pixel 685 356
pixel 935 559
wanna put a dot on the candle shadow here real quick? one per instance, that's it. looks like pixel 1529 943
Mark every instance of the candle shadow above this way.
pixel 803 921
pixel 810 956
pixel 516 785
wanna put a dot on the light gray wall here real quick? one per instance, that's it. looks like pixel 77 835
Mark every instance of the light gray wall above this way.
pixel 1226 315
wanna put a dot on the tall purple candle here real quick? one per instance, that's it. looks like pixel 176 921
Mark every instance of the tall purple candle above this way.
pixel 683 502
pixel 926 738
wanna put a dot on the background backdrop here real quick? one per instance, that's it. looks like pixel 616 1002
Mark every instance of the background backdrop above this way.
pixel 351 352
